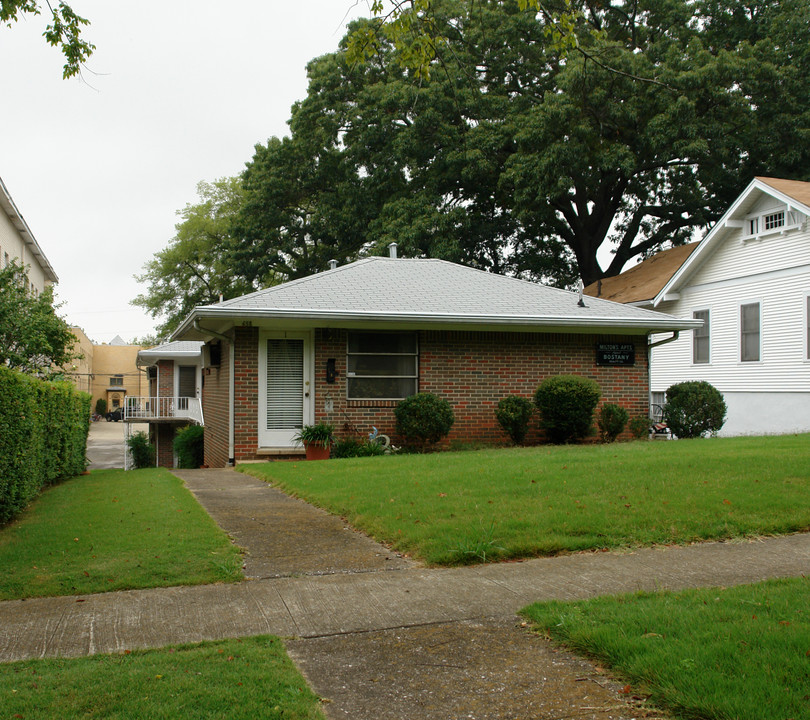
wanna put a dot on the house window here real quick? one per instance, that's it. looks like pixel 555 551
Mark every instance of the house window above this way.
pixel 117 380
pixel 771 221
pixel 381 366
pixel 749 332
pixel 700 338
pixel 774 220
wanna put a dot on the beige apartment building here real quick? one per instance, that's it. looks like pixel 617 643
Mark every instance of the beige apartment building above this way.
pixel 107 371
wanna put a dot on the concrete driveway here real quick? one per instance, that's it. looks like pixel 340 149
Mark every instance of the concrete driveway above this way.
pixel 105 444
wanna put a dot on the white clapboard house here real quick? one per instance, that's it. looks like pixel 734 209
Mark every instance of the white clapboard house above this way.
pixel 749 280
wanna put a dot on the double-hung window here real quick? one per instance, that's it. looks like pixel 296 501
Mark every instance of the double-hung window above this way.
pixel 116 380
pixel 382 365
pixel 700 338
pixel 749 332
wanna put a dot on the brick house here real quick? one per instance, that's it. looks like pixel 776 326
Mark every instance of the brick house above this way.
pixel 173 377
pixel 345 345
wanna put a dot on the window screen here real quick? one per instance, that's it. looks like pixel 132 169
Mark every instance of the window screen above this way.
pixel 700 338
pixel 382 366
pixel 749 332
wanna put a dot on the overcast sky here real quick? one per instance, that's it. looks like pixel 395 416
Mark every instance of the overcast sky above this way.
pixel 176 92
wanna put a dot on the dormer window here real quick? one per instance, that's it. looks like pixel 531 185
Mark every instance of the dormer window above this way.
pixel 771 221
pixel 774 220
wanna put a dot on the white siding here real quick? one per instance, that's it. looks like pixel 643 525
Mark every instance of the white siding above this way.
pixel 774 271
pixel 13 246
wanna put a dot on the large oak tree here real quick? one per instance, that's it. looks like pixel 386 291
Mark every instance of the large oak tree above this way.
pixel 520 155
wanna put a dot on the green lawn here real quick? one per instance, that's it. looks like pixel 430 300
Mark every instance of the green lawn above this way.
pixel 715 653
pixel 112 530
pixel 235 679
pixel 449 508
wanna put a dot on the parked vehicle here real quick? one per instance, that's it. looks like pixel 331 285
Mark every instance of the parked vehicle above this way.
pixel 115 415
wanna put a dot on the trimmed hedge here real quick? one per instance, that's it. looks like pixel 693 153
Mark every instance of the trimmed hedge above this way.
pixel 424 418
pixel 189 446
pixel 694 408
pixel 566 404
pixel 43 437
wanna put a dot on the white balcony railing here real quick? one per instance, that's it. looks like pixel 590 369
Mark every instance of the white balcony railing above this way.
pixel 163 408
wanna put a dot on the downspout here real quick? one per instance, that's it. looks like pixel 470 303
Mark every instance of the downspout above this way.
pixel 675 335
pixel 231 385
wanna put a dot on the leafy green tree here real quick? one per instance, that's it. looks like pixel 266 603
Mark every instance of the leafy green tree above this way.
pixel 64 30
pixel 192 269
pixel 303 206
pixel 642 135
pixel 33 338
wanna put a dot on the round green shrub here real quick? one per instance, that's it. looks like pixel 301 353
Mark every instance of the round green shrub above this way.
pixel 143 453
pixel 189 447
pixel 424 418
pixel 612 421
pixel 640 427
pixel 694 408
pixel 566 404
pixel 101 406
pixel 513 415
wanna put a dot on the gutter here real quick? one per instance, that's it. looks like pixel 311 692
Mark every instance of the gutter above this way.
pixel 604 324
pixel 231 386
pixel 675 335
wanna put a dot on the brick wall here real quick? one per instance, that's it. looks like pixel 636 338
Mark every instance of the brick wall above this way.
pixel 165 378
pixel 473 370
pixel 215 393
pixel 164 439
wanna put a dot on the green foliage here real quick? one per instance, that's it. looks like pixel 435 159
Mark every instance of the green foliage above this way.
pixel 64 30
pixel 142 451
pixel 424 418
pixel 554 499
pixel 242 679
pixel 560 130
pixel 193 270
pixel 612 421
pixel 319 435
pixel 113 530
pixel 33 338
pixel 640 426
pixel 694 408
pixel 101 406
pixel 350 448
pixel 566 404
pixel 513 415
pixel 189 446
pixel 43 437
pixel 717 652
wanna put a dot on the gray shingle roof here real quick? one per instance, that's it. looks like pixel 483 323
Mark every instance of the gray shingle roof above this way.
pixel 429 291
pixel 174 349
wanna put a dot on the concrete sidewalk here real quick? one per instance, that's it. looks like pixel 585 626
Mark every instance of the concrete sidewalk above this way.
pixel 320 605
pixel 380 636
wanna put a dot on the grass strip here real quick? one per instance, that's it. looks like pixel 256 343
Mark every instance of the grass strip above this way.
pixel 741 652
pixel 465 507
pixel 236 679
pixel 113 530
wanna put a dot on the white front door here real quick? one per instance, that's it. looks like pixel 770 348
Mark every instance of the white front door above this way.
pixel 285 387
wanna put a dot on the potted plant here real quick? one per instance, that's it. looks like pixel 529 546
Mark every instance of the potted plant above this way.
pixel 316 439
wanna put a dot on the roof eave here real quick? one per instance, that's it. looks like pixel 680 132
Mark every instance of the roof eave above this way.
pixel 716 231
pixel 18 221
pixel 527 322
